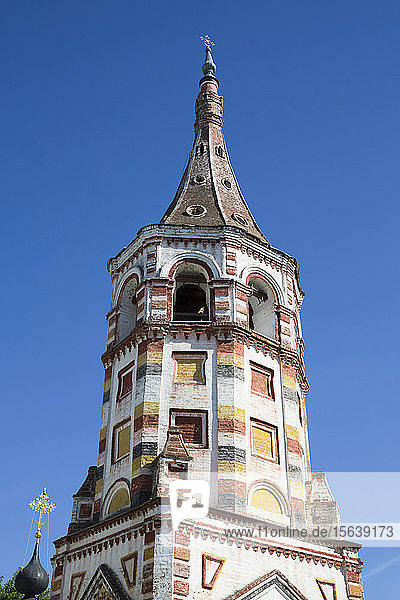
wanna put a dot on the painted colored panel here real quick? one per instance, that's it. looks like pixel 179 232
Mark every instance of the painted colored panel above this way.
pixel 124 438
pixel 146 408
pixel 227 466
pixel 266 500
pixel 150 357
pixel 119 500
pixel 211 568
pixel 148 554
pixel 289 382
pixel 327 589
pixel 296 488
pixel 189 370
pixel 262 441
pixel 129 568
pixel 292 432
pixel 231 358
pixel 76 584
pixel 99 486
pixel 260 383
pixel 231 412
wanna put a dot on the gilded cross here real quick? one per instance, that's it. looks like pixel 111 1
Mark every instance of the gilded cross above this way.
pixel 207 42
pixel 43 507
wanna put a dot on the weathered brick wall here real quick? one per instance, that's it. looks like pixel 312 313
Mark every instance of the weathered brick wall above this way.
pixel 231 404
pixel 146 416
pixel 123 542
pixel 245 562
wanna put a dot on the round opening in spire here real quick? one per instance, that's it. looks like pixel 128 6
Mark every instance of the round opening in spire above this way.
pixel 196 210
pixel 199 179
pixel 240 219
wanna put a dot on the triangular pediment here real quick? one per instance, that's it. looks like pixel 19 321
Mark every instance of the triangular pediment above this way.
pixel 273 586
pixel 104 585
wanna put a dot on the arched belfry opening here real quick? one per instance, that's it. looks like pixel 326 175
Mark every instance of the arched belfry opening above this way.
pixel 261 305
pixel 191 295
pixel 127 309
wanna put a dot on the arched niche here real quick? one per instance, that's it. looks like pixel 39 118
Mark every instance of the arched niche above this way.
pixel 261 306
pixel 191 298
pixel 127 308
pixel 266 497
pixel 266 500
pixel 117 498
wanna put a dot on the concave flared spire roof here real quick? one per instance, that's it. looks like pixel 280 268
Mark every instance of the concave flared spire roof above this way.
pixel 208 194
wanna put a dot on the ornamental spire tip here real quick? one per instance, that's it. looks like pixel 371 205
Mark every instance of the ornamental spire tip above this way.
pixel 209 66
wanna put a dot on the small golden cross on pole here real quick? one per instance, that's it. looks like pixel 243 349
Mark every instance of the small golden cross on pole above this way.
pixel 207 42
pixel 42 506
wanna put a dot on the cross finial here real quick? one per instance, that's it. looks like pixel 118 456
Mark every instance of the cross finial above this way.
pixel 207 42
pixel 42 506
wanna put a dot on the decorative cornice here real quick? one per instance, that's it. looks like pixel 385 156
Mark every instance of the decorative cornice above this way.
pixel 224 235
pixel 111 522
pixel 324 558
pixel 157 330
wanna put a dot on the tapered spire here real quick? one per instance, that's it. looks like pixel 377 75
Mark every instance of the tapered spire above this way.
pixel 209 66
pixel 208 194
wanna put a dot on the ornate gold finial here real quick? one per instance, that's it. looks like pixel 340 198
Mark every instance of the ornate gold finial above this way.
pixel 42 506
pixel 207 42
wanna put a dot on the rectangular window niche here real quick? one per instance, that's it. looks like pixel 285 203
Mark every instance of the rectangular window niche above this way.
pixel 121 440
pixel 264 440
pixel 193 426
pixel 262 381
pixel 189 368
pixel 125 381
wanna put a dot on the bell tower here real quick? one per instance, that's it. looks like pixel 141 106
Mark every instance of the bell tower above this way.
pixel 204 379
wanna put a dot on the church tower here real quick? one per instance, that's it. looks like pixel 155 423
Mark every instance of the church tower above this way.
pixel 204 379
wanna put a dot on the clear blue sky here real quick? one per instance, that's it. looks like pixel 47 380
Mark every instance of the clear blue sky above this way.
pixel 96 117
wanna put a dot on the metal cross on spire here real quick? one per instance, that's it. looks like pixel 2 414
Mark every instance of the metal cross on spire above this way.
pixel 42 506
pixel 207 42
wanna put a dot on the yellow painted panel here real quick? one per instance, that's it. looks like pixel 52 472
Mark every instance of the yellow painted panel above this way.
pixel 296 488
pixel 107 385
pixel 148 554
pixel 355 590
pixel 103 432
pixel 135 465
pixel 189 370
pixel 227 466
pixel 146 408
pixel 56 585
pixel 262 441
pixel 230 358
pixel 267 501
pixel 99 486
pixel 124 441
pixel 289 382
pixel 150 358
pixel 231 412
pixel 141 461
pixel 119 500
pixel 292 433
pixel 146 460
